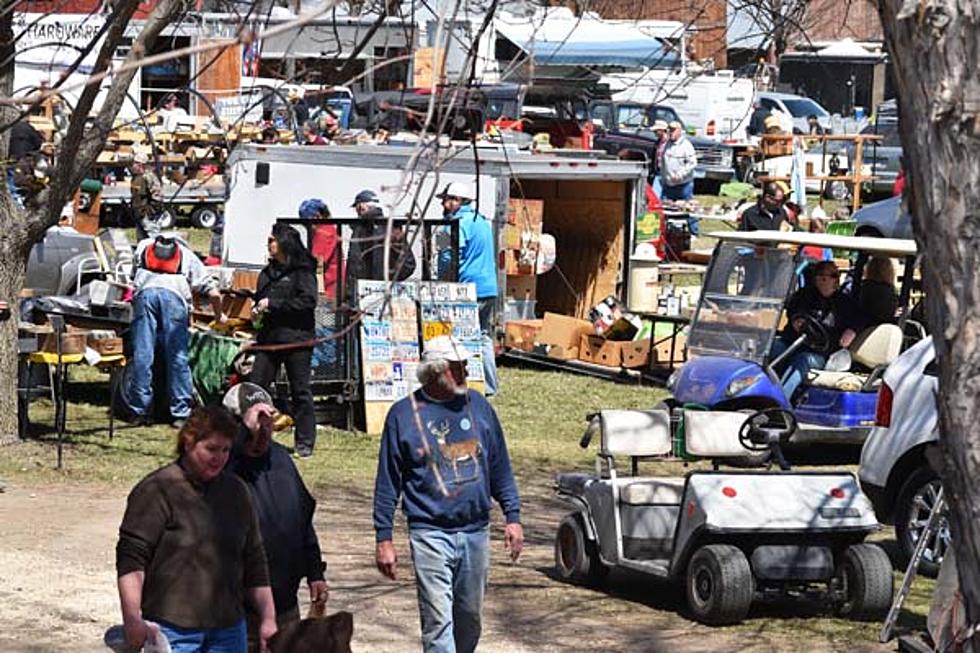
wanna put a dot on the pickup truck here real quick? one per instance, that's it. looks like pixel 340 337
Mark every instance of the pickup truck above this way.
pixel 626 126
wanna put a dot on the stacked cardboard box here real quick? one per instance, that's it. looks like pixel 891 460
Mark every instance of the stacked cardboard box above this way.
pixel 562 335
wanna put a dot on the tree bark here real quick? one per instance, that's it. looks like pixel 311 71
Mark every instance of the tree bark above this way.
pixel 934 50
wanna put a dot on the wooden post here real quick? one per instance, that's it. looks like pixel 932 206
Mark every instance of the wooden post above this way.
pixel 858 165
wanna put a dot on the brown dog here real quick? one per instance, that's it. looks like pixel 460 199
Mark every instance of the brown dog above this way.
pixel 315 634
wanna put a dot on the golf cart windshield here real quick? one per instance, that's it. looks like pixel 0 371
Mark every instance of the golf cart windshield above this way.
pixel 741 301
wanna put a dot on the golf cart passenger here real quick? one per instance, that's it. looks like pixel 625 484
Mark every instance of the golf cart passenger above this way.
pixel 877 299
pixel 835 318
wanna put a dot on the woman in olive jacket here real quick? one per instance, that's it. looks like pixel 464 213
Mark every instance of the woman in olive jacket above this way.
pixel 285 302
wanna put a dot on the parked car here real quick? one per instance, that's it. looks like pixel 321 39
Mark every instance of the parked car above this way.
pixel 798 106
pixel 883 159
pixel 626 125
pixel 888 218
pixel 895 473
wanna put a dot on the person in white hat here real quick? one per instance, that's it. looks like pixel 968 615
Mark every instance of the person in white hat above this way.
pixel 444 455
pixel 477 264
pixel 146 196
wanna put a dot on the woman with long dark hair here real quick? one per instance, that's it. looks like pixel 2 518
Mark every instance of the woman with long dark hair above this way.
pixel 285 301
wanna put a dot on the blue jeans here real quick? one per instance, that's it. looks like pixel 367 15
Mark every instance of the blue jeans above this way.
pixel 214 640
pixel 451 576
pixel 679 193
pixel 160 321
pixel 793 372
pixel 490 379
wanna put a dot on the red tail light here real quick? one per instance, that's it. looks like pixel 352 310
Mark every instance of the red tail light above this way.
pixel 837 493
pixel 883 410
pixel 729 492
pixel 710 128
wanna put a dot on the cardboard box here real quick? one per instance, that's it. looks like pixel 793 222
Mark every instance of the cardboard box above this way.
pixel 563 353
pixel 235 306
pixel 245 280
pixel 661 352
pixel 636 353
pixel 598 350
pixel 429 67
pixel 563 331
pixel 521 286
pixel 106 346
pixel 513 265
pixel 522 334
pixel 526 214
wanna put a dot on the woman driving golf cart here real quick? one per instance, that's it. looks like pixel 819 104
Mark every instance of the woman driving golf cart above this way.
pixel 828 318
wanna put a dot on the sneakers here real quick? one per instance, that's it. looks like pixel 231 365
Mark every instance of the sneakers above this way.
pixel 178 423
pixel 303 452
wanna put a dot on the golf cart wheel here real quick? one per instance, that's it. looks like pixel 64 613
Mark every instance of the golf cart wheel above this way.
pixel 166 220
pixel 866 576
pixel 915 502
pixel 204 217
pixel 719 585
pixel 576 558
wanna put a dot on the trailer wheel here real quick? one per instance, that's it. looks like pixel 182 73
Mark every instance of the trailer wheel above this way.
pixel 204 217
pixel 720 585
pixel 866 576
pixel 166 220
pixel 576 558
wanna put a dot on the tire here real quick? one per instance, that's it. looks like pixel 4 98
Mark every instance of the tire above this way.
pixel 204 217
pixel 915 501
pixel 867 578
pixel 719 585
pixel 576 558
pixel 166 220
pixel 837 190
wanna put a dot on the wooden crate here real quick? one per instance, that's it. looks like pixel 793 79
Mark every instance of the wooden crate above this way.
pixel 106 346
pixel 71 343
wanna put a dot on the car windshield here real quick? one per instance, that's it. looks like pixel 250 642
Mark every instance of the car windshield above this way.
pixel 631 115
pixel 803 107
pixel 741 301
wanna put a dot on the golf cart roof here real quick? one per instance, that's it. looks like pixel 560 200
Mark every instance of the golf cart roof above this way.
pixel 892 247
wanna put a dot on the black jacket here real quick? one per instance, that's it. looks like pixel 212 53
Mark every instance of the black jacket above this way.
pixel 292 295
pixel 755 218
pixel 878 303
pixel 365 256
pixel 837 312
pixel 285 510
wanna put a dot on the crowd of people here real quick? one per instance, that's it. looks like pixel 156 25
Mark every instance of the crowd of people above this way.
pixel 213 546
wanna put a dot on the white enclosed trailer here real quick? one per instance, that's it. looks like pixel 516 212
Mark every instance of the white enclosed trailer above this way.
pixel 590 203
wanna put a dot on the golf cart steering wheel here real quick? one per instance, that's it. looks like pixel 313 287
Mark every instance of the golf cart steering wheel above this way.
pixel 817 333
pixel 767 430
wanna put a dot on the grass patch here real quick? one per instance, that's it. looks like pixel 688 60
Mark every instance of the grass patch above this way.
pixel 542 414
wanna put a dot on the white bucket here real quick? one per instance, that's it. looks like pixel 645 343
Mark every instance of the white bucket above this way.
pixel 644 287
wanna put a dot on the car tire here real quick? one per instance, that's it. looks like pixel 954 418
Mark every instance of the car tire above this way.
pixel 576 557
pixel 719 585
pixel 837 190
pixel 204 217
pixel 867 578
pixel 912 508
pixel 166 220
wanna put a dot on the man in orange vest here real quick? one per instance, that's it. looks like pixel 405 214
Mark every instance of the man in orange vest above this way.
pixel 166 273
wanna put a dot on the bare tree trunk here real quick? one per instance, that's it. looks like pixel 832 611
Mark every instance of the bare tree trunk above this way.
pixel 934 51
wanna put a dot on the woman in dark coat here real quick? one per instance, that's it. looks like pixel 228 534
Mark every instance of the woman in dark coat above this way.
pixel 285 302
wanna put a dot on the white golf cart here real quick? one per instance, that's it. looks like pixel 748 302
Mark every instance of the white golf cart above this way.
pixel 730 536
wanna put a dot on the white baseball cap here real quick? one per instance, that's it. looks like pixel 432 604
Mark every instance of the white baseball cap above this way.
pixel 457 189
pixel 444 348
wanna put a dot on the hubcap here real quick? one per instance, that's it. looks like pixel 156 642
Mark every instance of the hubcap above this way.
pixel 922 504
pixel 702 585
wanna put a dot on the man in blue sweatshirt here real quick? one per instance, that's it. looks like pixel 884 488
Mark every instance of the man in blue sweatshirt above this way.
pixel 443 453
pixel 477 265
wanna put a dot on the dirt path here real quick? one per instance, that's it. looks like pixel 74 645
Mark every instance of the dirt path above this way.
pixel 57 585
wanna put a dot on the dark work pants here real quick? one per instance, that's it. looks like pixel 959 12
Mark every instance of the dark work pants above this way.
pixel 297 362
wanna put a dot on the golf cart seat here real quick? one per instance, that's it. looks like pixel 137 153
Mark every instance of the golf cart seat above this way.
pixel 632 434
pixel 875 349
pixel 713 435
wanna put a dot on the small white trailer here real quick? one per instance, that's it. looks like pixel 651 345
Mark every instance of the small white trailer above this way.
pixel 590 203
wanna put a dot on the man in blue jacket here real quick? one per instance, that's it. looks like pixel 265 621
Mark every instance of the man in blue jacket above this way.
pixel 477 265
pixel 443 453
